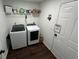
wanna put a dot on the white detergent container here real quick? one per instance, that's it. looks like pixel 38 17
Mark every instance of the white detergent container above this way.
pixel 18 36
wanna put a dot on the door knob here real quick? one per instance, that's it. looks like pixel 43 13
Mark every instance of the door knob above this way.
pixel 2 51
pixel 55 35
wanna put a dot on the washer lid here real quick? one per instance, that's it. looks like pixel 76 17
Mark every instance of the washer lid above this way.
pixel 33 28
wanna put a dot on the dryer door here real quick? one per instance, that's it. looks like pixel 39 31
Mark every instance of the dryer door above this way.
pixel 34 35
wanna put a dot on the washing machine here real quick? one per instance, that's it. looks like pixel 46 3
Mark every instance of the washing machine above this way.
pixel 18 36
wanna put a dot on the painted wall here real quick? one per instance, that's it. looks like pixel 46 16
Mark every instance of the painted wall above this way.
pixel 3 30
pixel 20 19
pixel 47 27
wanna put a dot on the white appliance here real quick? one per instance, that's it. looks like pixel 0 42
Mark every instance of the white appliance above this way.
pixel 18 39
pixel 33 34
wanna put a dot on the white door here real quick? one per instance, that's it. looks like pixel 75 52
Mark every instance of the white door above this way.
pixel 65 44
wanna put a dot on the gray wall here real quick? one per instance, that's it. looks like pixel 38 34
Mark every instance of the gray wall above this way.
pixel 3 30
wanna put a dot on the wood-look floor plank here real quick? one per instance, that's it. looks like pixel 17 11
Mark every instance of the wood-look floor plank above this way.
pixel 37 51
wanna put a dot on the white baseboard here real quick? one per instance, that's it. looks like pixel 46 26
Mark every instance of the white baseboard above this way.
pixel 4 56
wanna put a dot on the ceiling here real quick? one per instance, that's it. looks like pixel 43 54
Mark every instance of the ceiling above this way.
pixel 35 0
pixel 25 0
